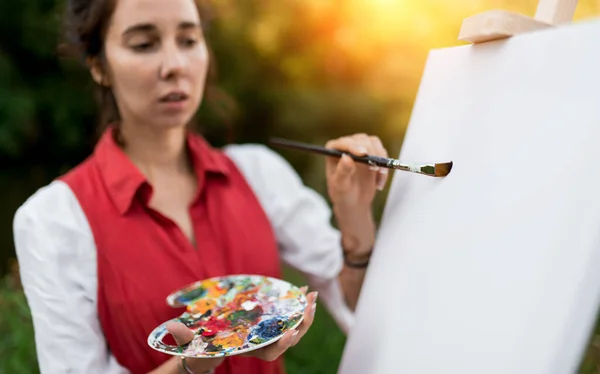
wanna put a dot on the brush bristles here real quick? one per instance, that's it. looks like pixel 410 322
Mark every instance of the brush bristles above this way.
pixel 441 170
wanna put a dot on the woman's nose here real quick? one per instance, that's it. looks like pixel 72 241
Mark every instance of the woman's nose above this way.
pixel 173 62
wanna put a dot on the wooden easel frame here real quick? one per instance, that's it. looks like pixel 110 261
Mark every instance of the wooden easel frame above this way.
pixel 499 24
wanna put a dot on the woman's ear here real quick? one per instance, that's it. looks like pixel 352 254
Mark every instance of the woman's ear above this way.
pixel 97 72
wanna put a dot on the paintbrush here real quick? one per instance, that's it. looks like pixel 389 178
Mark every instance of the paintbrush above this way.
pixel 432 170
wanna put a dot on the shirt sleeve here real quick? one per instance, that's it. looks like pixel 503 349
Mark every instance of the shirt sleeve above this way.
pixel 57 261
pixel 301 219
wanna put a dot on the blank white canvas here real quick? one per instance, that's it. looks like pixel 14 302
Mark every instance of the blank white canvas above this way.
pixel 494 269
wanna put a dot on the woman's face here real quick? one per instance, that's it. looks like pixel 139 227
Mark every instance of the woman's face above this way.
pixel 156 60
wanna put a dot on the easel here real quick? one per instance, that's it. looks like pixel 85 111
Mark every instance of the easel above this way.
pixel 507 282
pixel 499 24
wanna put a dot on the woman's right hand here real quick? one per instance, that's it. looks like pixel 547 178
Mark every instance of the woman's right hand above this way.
pixel 183 335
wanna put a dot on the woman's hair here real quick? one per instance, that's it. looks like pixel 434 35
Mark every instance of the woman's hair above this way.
pixel 86 23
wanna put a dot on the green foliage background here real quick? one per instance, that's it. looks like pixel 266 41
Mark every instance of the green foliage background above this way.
pixel 304 69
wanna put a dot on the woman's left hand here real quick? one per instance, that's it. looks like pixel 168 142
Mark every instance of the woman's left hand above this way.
pixel 352 187
pixel 291 337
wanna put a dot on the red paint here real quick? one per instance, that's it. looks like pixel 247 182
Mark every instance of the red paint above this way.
pixel 214 325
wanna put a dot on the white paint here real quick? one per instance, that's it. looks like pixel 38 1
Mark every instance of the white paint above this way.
pixel 249 305
pixel 496 268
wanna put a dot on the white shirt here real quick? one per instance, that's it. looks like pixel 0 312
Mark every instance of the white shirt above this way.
pixel 57 258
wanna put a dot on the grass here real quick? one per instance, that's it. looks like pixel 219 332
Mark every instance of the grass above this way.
pixel 17 347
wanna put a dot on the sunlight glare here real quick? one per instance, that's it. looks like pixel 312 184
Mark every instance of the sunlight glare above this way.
pixel 383 21
pixel 386 2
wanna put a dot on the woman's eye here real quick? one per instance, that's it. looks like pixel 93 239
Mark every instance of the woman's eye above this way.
pixel 141 47
pixel 190 42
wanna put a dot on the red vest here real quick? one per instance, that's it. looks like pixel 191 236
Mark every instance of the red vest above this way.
pixel 142 256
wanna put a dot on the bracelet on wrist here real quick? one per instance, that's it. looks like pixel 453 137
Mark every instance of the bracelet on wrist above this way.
pixel 186 369
pixel 356 265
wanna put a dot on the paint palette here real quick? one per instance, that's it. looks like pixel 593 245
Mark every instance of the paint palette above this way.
pixel 233 315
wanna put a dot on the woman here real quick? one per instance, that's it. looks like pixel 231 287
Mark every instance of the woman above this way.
pixel 155 208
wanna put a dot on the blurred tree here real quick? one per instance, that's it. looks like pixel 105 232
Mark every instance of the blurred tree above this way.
pixel 46 108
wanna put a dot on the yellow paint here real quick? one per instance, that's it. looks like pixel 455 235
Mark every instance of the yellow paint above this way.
pixel 229 339
pixel 201 306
